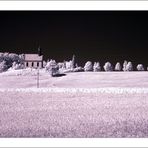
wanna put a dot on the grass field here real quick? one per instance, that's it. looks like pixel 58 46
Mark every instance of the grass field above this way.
pixel 115 106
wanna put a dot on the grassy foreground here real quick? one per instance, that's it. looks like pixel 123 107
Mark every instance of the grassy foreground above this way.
pixel 33 114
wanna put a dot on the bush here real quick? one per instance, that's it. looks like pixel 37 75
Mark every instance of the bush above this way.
pixel 108 66
pixel 118 67
pixel 140 67
pixel 88 66
pixel 96 67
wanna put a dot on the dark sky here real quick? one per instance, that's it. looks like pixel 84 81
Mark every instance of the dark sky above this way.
pixel 90 35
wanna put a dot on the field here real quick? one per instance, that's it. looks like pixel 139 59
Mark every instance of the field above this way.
pixel 85 104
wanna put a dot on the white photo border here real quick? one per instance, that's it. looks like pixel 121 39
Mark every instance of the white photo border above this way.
pixel 73 5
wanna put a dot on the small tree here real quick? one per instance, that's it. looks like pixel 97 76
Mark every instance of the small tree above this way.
pixel 118 67
pixel 73 62
pixel 96 67
pixel 124 65
pixel 129 66
pixel 52 67
pixel 108 66
pixel 140 67
pixel 88 66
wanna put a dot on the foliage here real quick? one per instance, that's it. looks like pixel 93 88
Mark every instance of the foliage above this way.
pixel 124 65
pixel 52 67
pixel 3 66
pixel 118 67
pixel 108 66
pixel 96 67
pixel 10 58
pixel 140 67
pixel 88 66
pixel 129 66
pixel 17 66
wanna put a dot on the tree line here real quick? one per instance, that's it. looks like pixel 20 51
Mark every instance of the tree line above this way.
pixel 15 61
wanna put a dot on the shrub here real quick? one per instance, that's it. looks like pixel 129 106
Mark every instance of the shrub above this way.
pixel 140 67
pixel 118 67
pixel 88 66
pixel 96 67
pixel 108 66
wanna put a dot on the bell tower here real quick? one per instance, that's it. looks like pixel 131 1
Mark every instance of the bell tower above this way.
pixel 39 51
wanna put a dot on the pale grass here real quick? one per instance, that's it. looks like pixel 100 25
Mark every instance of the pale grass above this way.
pixel 73 115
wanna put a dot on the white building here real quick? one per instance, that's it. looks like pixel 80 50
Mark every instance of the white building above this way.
pixel 33 60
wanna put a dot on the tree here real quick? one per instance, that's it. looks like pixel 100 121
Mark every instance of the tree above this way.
pixel 129 66
pixel 54 70
pixel 118 67
pixel 124 65
pixel 108 66
pixel 52 67
pixel 9 58
pixel 3 66
pixel 1 57
pixel 17 66
pixel 49 63
pixel 73 62
pixel 88 66
pixel 96 67
pixel 44 63
pixel 140 67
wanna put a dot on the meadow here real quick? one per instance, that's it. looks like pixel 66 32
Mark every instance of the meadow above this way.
pixel 78 105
